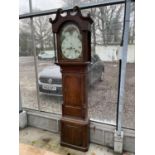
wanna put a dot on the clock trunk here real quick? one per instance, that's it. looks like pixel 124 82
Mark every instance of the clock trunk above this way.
pixel 75 122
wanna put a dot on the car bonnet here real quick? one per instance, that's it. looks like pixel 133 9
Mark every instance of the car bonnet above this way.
pixel 51 71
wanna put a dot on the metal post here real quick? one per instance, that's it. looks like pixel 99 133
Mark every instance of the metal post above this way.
pixel 123 66
pixel 20 101
pixel 34 52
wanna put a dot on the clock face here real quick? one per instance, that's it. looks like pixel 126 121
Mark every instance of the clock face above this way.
pixel 71 42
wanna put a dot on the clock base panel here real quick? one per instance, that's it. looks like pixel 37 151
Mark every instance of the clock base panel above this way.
pixel 75 134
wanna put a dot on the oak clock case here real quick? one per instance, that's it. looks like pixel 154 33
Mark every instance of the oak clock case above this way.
pixel 73 35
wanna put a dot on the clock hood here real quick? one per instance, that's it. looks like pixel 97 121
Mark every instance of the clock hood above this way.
pixel 84 22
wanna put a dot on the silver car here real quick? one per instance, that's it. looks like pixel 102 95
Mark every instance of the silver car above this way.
pixel 50 78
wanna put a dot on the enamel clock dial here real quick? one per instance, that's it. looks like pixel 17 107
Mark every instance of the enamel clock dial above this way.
pixel 71 41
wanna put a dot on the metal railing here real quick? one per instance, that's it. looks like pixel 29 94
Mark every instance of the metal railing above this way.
pixel 82 7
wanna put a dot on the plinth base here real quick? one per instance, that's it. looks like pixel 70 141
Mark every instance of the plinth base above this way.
pixel 75 133
pixel 118 142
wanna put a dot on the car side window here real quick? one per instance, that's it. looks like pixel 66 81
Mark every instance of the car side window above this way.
pixel 93 60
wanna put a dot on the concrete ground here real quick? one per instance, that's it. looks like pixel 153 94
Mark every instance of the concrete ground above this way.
pixel 45 142
pixel 25 149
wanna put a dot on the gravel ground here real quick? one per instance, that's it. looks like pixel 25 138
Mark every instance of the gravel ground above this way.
pixel 102 96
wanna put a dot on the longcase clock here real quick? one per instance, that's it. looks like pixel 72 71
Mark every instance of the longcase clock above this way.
pixel 73 43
